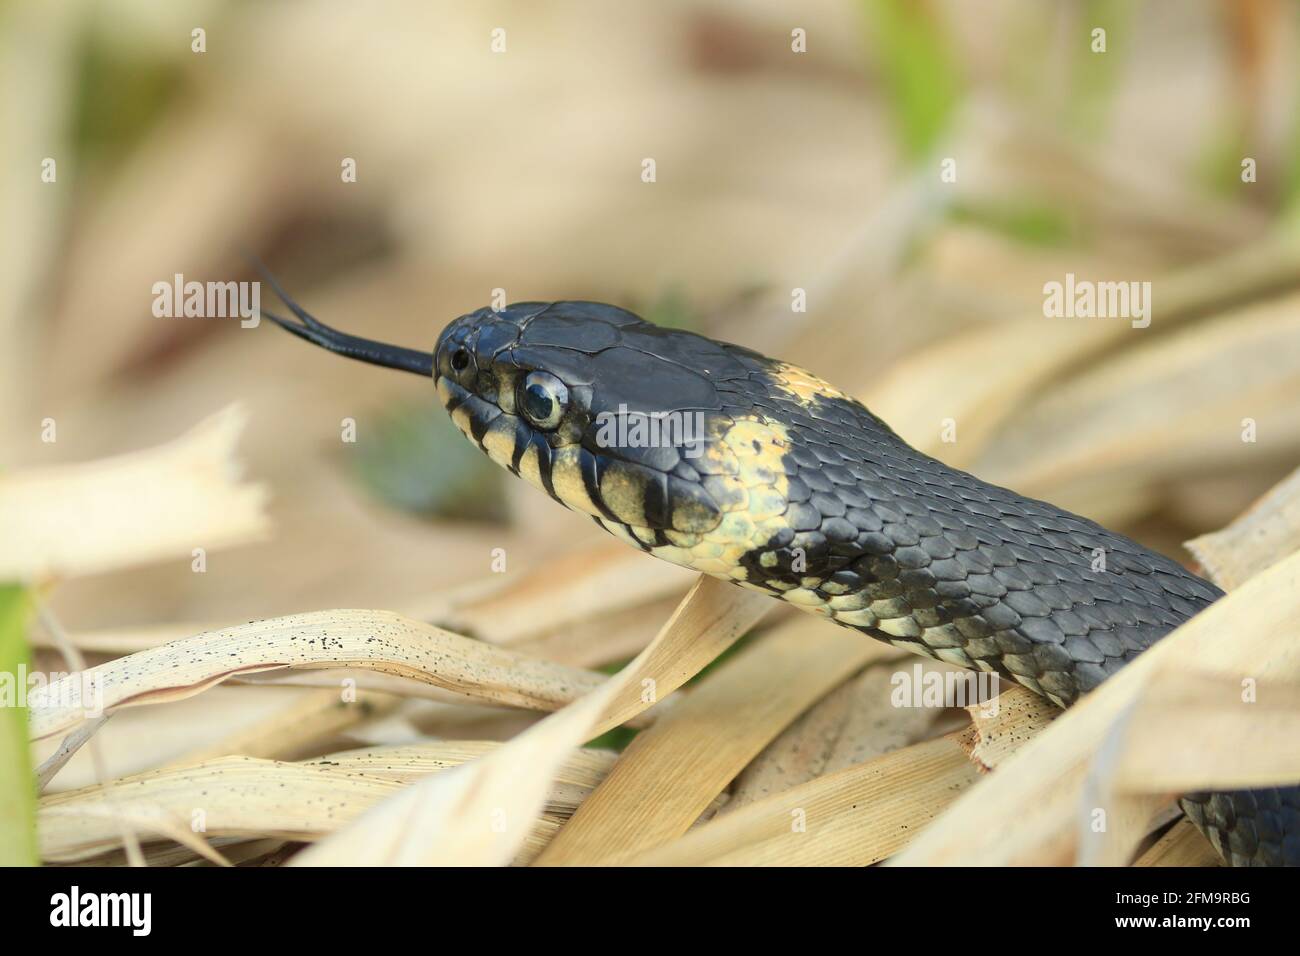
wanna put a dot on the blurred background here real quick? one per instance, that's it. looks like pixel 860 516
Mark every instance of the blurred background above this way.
pixel 795 146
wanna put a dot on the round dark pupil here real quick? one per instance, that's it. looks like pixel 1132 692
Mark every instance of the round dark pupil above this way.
pixel 538 402
pixel 459 359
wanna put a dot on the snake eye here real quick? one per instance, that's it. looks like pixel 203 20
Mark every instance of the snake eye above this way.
pixel 542 399
pixel 459 360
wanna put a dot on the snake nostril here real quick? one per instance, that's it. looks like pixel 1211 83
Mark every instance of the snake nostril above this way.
pixel 460 360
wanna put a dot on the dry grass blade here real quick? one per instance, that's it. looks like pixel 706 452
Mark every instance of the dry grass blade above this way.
pixel 578 586
pixel 1109 824
pixel 1186 734
pixel 1028 812
pixel 1268 530
pixel 146 506
pixel 854 723
pixel 603 639
pixel 229 850
pixel 584 768
pixel 114 642
pixel 247 797
pixel 968 371
pixel 291 732
pixel 708 621
pixel 855 817
pixel 67 750
pixel 378 640
pixel 108 820
pixel 1165 404
pixel 670 773
pixel 481 813
pixel 1183 845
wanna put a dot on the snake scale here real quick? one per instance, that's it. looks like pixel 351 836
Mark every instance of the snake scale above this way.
pixel 777 481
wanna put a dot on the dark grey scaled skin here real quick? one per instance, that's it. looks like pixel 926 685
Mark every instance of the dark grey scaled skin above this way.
pixel 850 522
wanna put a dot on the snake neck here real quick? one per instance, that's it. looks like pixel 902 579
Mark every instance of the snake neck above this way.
pixel 827 509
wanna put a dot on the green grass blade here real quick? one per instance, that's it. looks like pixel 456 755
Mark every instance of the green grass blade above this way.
pixel 17 787
pixel 919 71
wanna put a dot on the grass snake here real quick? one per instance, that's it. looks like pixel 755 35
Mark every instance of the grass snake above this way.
pixel 755 471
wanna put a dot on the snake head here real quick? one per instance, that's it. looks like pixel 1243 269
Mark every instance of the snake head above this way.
pixel 565 395
pixel 705 454
pixel 677 443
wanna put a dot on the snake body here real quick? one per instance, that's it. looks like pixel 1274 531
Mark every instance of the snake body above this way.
pixel 776 481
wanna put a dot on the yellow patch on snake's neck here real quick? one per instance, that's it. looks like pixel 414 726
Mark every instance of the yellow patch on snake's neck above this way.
pixel 752 497
pixel 750 493
pixel 801 385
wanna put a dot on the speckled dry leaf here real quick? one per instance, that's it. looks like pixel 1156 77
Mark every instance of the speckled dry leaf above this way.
pixel 670 773
pixel 1028 811
pixel 996 732
pixel 147 506
pixel 378 640
pixel 480 814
